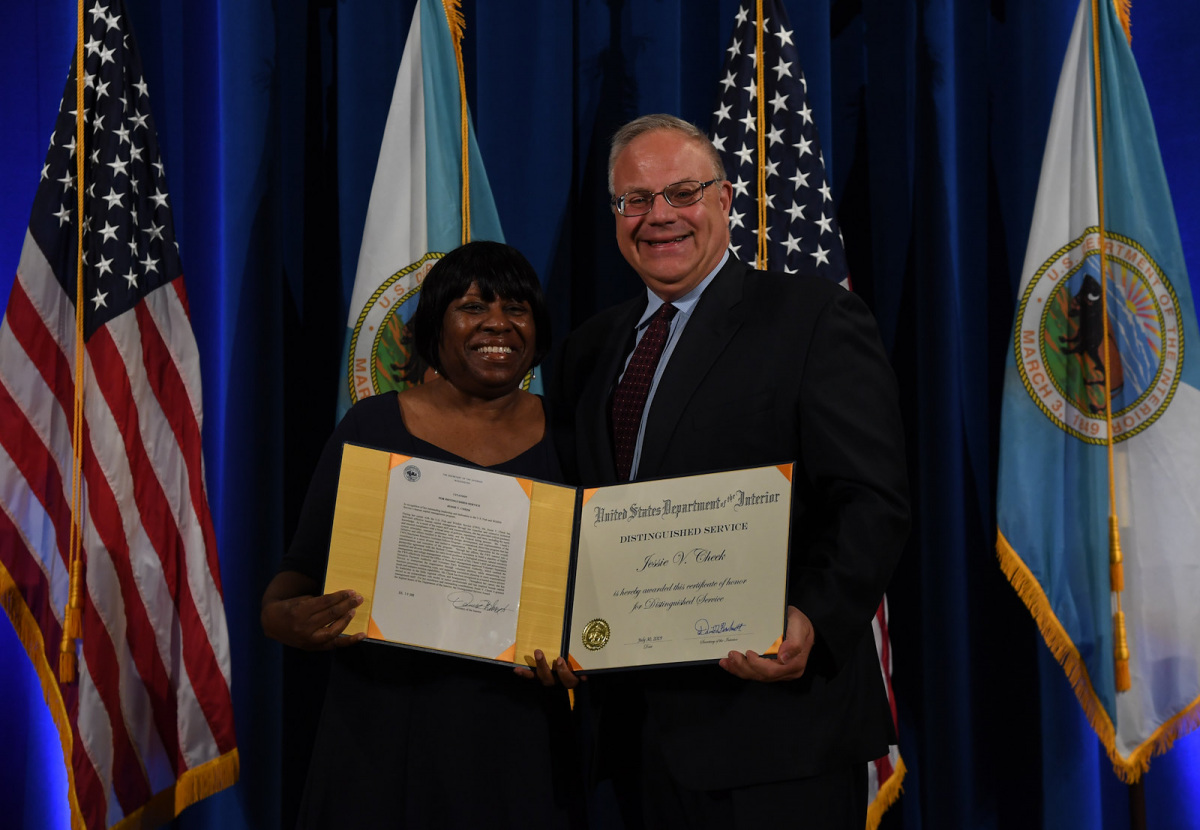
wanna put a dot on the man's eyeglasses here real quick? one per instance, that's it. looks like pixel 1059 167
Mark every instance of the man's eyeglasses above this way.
pixel 641 202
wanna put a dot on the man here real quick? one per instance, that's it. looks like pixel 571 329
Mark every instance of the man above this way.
pixel 756 368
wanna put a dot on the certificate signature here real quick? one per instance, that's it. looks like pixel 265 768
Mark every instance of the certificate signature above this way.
pixel 704 627
pixel 465 601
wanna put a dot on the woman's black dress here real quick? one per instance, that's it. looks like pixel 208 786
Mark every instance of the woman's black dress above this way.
pixel 411 739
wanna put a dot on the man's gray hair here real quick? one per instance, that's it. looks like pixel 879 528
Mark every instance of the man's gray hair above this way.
pixel 661 121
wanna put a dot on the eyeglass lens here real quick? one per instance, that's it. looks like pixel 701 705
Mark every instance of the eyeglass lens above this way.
pixel 679 194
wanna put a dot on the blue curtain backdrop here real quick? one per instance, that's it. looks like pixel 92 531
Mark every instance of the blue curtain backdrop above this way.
pixel 933 115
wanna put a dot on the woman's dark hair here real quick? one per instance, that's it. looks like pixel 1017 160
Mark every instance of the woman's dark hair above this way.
pixel 498 270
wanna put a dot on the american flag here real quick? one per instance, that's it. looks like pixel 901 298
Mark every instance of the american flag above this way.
pixel 802 229
pixel 802 233
pixel 147 726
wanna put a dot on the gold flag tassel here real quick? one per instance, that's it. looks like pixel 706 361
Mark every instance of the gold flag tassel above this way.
pixel 1120 651
pixel 761 261
pixel 72 625
pixel 1116 561
pixel 1116 575
pixel 458 24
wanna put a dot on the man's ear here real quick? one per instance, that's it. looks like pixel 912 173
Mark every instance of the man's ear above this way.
pixel 726 195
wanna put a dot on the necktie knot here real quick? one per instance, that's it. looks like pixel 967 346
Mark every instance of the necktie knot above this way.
pixel 629 400
pixel 666 312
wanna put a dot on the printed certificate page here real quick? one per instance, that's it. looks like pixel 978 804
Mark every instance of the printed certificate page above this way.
pixel 682 569
pixel 451 558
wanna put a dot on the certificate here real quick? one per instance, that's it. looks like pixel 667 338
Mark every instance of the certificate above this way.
pixel 450 558
pixel 682 569
pixel 457 547
pixel 492 566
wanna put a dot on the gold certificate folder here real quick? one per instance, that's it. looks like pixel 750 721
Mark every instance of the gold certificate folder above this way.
pixel 493 566
pixel 357 539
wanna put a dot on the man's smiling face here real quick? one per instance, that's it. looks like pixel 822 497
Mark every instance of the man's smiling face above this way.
pixel 672 249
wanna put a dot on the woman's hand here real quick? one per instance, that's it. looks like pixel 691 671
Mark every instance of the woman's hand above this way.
pixel 547 675
pixel 296 616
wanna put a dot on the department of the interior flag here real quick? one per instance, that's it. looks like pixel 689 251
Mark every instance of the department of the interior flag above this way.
pixel 1084 342
pixel 416 208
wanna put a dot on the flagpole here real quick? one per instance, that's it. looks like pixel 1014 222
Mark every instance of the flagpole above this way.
pixel 1116 560
pixel 1137 805
pixel 760 120
pixel 72 625
pixel 1137 789
pixel 458 24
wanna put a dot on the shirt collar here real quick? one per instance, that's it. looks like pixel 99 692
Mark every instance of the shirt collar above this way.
pixel 687 302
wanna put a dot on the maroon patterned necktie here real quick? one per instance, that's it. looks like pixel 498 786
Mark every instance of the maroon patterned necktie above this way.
pixel 630 398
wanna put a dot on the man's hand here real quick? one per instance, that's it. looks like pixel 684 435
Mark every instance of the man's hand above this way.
pixel 793 655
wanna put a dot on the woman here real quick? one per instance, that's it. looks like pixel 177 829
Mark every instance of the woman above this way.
pixel 410 739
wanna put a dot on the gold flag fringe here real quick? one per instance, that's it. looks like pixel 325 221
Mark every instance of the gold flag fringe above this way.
pixel 193 785
pixel 887 795
pixel 1124 8
pixel 30 636
pixel 208 778
pixel 455 18
pixel 1032 594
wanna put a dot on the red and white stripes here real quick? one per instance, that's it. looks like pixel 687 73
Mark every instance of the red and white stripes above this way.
pixel 153 699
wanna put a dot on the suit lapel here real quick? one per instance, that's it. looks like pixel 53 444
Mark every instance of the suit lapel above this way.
pixel 594 440
pixel 718 316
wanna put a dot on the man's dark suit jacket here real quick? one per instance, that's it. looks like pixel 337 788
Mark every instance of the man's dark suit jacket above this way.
pixel 770 368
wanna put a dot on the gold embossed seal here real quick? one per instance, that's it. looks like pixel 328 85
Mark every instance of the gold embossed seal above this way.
pixel 595 635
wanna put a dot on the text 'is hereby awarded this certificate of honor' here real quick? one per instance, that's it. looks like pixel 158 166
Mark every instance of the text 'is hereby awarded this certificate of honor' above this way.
pixel 682 569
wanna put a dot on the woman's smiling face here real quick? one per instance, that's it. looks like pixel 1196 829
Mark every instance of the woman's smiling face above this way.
pixel 487 346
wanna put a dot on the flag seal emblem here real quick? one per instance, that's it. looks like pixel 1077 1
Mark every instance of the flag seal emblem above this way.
pixel 379 343
pixel 1065 358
